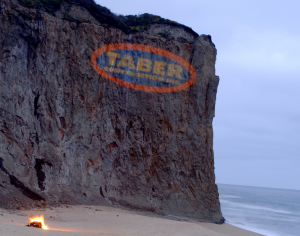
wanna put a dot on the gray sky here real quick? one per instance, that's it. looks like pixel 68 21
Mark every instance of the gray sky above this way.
pixel 257 123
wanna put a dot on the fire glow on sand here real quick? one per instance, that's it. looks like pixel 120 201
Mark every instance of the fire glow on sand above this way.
pixel 39 220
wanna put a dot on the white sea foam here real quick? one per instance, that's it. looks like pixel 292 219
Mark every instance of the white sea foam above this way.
pixel 228 196
pixel 241 205
pixel 254 229
pixel 271 212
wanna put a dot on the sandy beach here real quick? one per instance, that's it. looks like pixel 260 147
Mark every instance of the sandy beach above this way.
pixel 100 220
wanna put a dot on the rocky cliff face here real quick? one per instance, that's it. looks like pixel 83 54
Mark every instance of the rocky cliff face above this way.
pixel 70 135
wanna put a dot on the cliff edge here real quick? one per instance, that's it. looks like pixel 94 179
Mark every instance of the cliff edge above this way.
pixel 135 132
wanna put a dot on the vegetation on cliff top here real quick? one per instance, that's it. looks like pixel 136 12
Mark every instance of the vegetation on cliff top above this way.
pixel 128 24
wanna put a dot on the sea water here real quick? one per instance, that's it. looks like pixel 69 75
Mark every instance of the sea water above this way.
pixel 268 211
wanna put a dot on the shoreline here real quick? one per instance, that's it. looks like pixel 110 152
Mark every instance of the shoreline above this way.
pixel 229 229
pixel 255 230
pixel 69 220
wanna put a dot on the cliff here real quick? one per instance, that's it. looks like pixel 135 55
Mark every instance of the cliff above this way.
pixel 72 131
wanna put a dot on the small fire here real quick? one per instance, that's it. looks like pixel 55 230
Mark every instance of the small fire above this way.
pixel 39 219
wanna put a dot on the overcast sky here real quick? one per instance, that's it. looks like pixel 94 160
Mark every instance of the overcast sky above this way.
pixel 257 123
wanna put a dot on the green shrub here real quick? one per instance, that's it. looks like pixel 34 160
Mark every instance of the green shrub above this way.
pixel 48 5
pixel 28 3
pixel 128 24
pixel 163 34
pixel 68 17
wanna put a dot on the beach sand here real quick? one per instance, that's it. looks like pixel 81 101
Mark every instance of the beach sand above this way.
pixel 100 220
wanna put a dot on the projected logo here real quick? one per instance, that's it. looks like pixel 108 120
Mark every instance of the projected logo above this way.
pixel 143 67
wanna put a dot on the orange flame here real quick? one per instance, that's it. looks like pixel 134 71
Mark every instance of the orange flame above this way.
pixel 39 219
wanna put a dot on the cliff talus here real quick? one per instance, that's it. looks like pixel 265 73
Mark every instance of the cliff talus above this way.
pixel 69 134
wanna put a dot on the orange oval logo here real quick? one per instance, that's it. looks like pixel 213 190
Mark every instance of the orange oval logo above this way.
pixel 143 67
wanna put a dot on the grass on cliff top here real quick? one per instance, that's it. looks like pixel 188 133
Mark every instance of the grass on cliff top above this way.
pixel 128 24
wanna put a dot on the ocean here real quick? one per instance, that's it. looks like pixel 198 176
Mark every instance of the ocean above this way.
pixel 268 211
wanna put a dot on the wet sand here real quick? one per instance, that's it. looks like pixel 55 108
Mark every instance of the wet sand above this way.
pixel 101 220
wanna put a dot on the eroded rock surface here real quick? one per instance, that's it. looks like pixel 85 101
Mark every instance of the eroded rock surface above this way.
pixel 69 135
